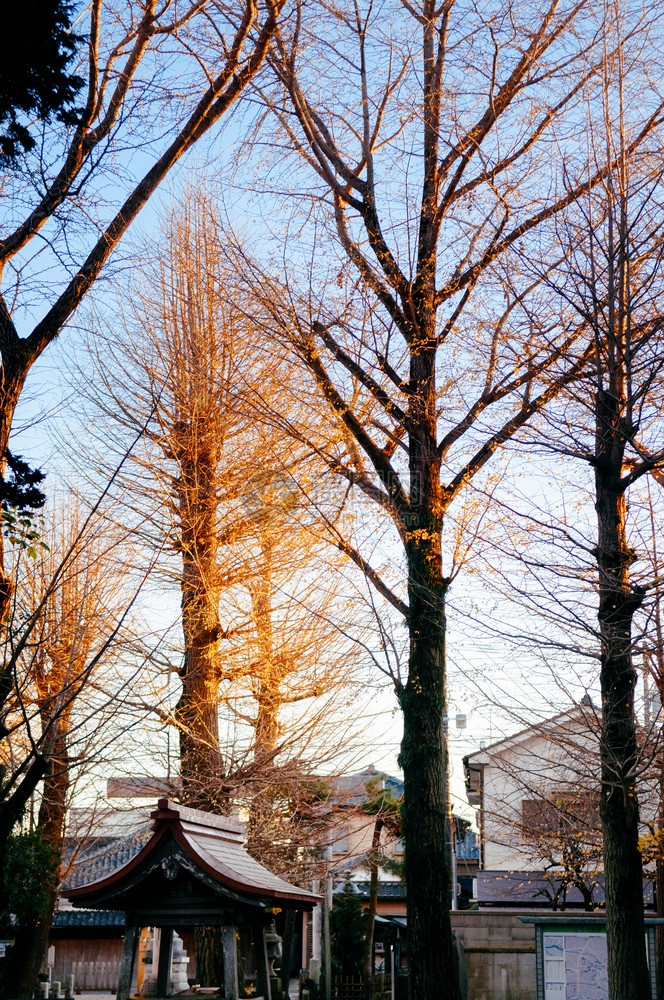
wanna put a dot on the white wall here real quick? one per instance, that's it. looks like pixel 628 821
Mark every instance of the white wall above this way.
pixel 549 761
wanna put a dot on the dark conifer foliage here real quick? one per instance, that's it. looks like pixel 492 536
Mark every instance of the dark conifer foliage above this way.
pixel 36 49
pixel 20 490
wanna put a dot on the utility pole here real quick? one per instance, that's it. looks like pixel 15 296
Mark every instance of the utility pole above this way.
pixel 327 944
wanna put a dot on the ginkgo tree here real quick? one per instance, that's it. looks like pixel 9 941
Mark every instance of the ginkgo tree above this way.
pixel 157 78
pixel 215 494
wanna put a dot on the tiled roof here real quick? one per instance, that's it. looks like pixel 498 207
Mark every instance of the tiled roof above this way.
pixel 88 918
pixel 103 856
pixel 350 790
pixel 213 844
pixel 230 858
pixel 519 888
pixel 386 890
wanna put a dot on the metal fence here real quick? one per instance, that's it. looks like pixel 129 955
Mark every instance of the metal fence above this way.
pixel 96 975
pixel 348 988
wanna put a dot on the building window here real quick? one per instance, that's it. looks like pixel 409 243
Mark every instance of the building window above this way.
pixel 561 814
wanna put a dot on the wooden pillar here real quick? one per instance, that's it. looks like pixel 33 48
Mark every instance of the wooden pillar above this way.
pixel 127 961
pixel 262 967
pixel 165 955
pixel 230 963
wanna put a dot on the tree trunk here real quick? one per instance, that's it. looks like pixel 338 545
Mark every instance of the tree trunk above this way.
pixel 201 768
pixel 432 956
pixel 287 951
pixel 13 373
pixel 196 713
pixel 432 960
pixel 619 810
pixel 266 725
pixel 658 677
pixel 27 954
pixel 209 956
pixel 659 877
pixel 12 379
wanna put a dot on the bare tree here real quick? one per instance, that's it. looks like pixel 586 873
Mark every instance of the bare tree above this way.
pixel 610 284
pixel 215 492
pixel 613 282
pixel 425 159
pixel 159 77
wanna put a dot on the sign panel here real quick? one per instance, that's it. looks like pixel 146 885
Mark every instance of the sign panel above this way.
pixel 575 965
pixel 571 959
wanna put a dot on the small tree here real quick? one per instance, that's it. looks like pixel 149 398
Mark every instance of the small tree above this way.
pixel 561 832
pixel 384 806
pixel 347 933
pixel 29 873
pixel 63 649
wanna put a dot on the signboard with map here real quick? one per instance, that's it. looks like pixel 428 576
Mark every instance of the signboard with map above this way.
pixel 575 966
pixel 571 957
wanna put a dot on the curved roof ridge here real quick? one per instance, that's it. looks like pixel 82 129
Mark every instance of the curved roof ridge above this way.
pixel 213 844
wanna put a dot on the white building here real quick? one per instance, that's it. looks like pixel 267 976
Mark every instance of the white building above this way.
pixel 538 799
pixel 529 782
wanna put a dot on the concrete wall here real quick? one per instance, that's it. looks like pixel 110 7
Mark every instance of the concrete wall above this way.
pixel 500 954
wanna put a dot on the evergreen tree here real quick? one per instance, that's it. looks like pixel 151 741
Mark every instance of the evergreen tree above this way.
pixel 347 933
pixel 36 47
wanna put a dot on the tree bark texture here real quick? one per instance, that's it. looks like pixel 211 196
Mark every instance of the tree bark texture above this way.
pixel 425 808
pixel 287 951
pixel 195 445
pixel 266 686
pixel 423 758
pixel 209 956
pixel 197 709
pixel 619 809
pixel 268 679
pixel 659 876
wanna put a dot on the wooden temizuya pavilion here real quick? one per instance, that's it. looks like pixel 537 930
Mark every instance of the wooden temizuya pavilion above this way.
pixel 193 872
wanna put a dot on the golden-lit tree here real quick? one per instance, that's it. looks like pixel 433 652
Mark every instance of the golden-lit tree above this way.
pixel 64 651
pixel 218 493
pixel 70 200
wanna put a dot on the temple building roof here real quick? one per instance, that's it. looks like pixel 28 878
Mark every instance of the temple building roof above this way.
pixel 191 858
